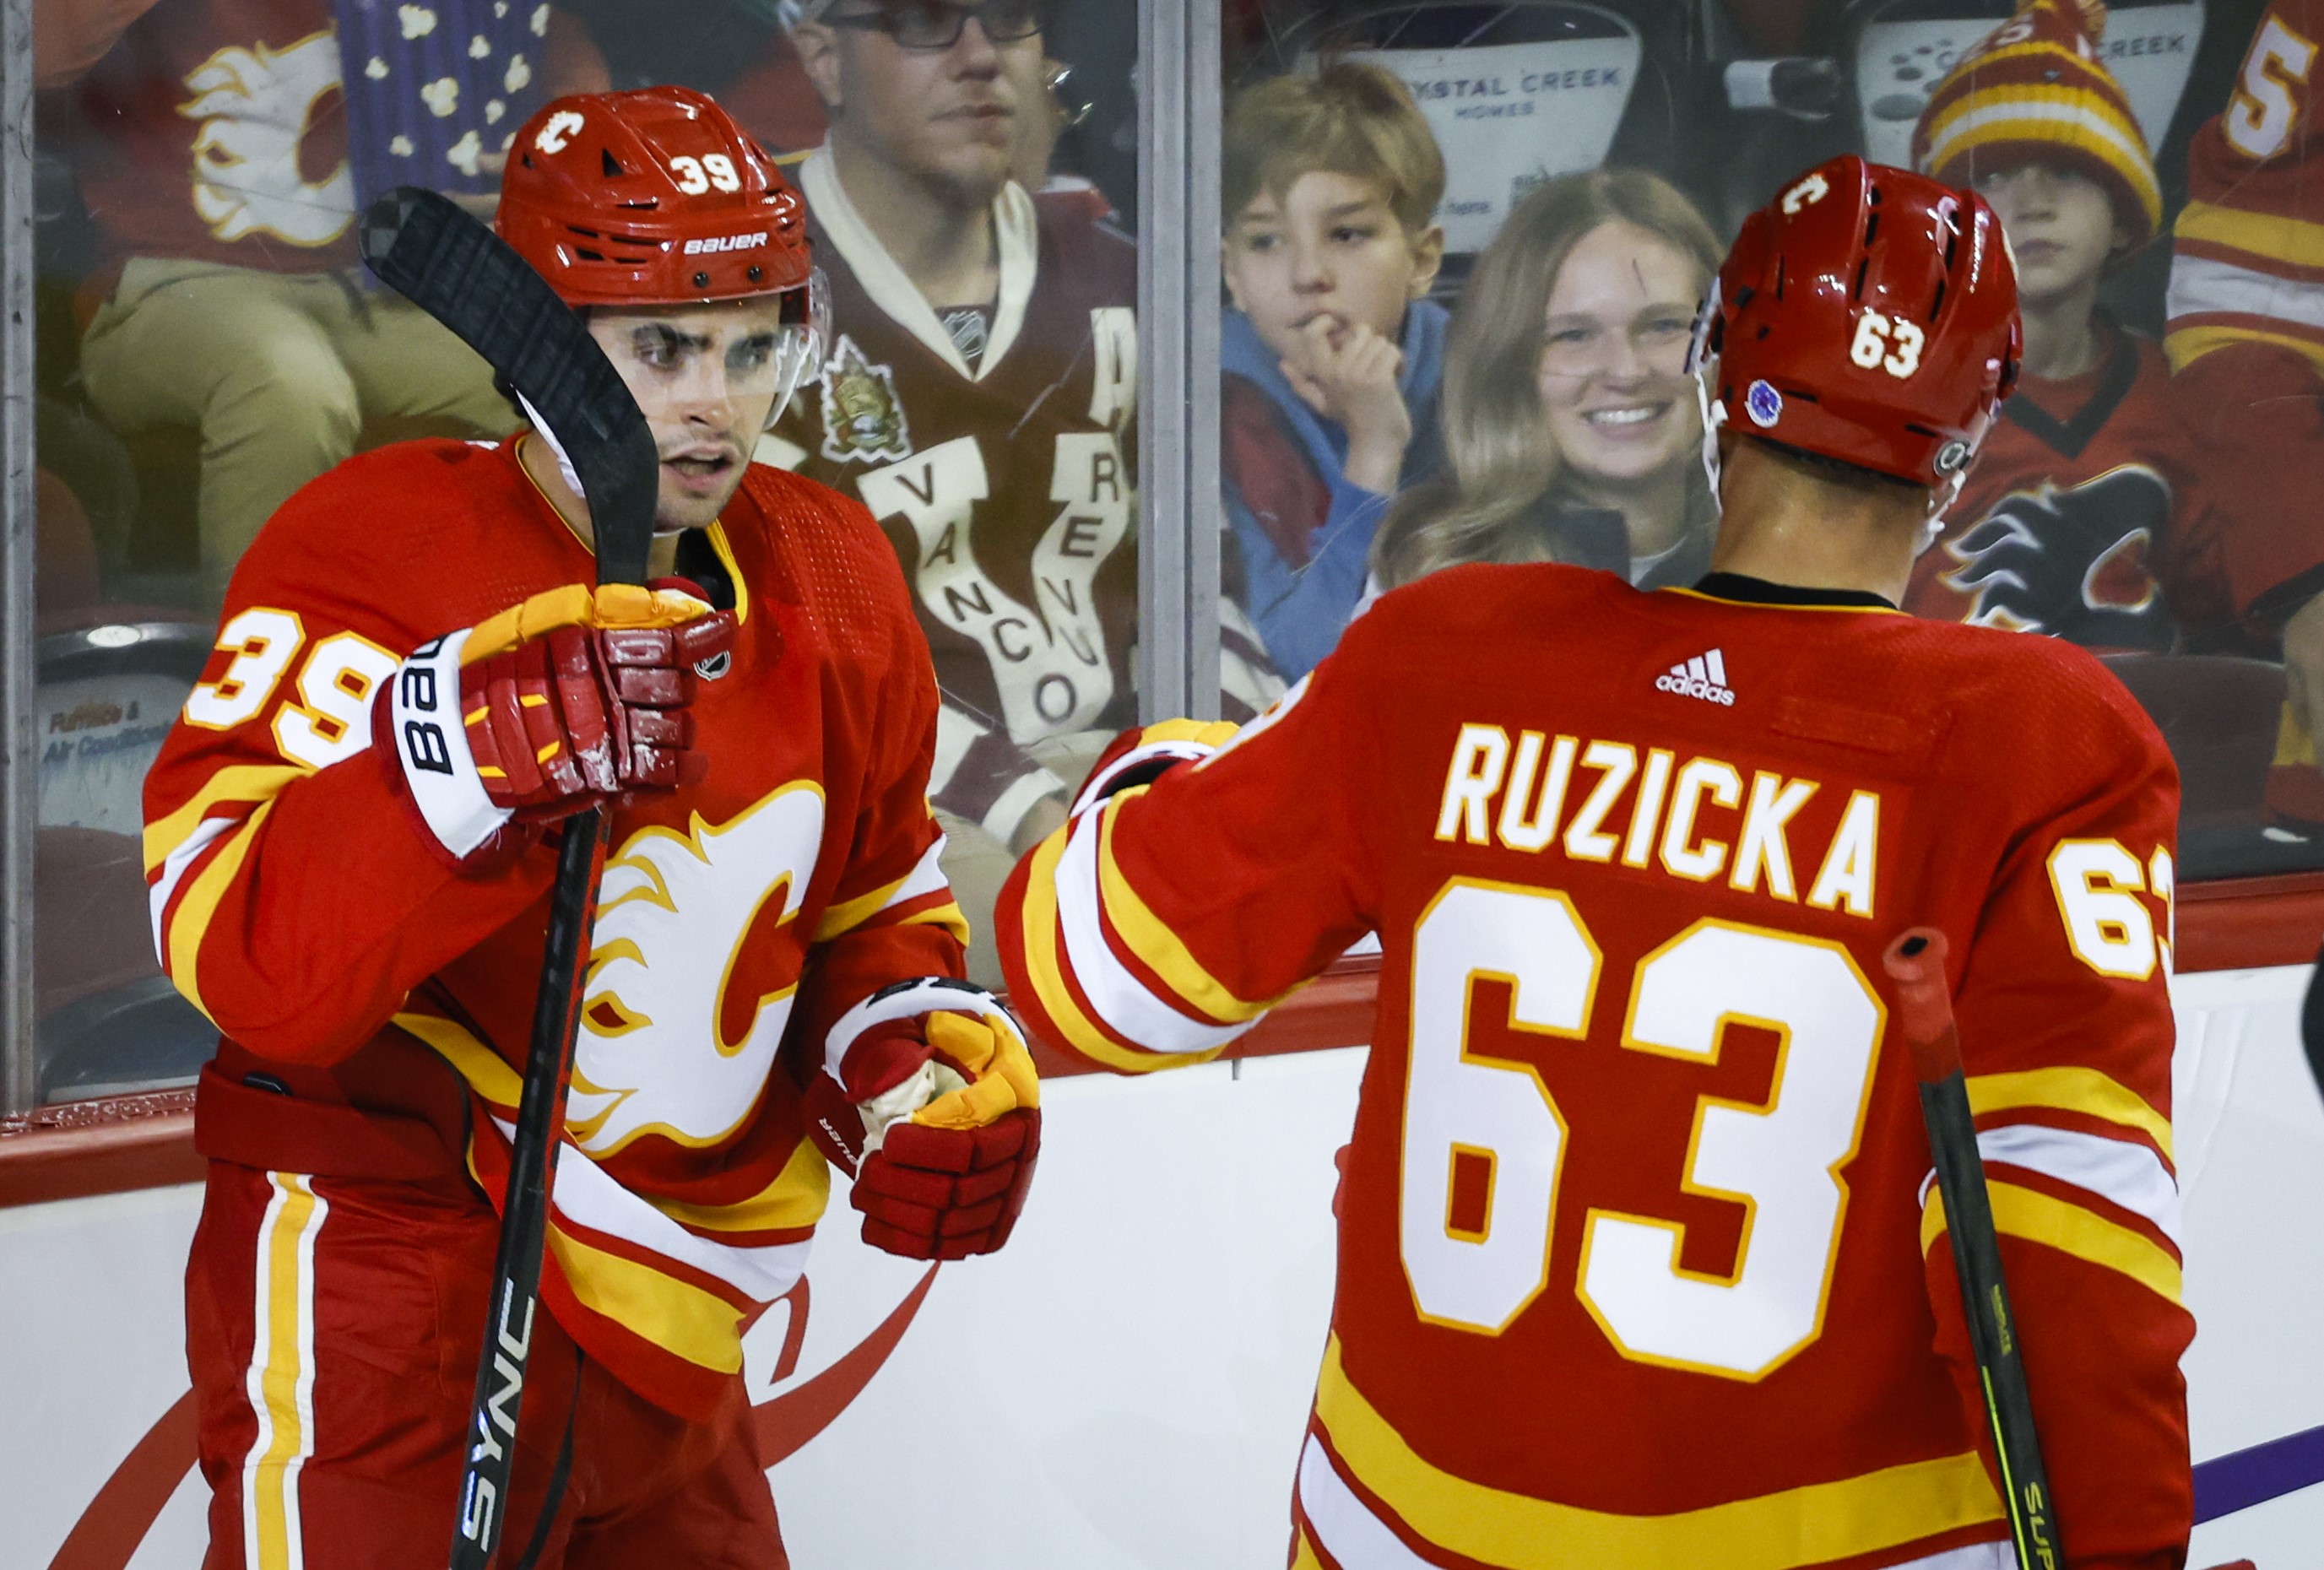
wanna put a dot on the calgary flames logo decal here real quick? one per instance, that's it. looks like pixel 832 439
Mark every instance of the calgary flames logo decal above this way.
pixel 255 106
pixel 664 1048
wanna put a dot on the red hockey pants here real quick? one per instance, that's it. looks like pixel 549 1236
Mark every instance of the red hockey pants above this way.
pixel 332 1326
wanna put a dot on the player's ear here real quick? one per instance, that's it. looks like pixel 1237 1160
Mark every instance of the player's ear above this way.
pixel 1227 272
pixel 818 53
pixel 1427 257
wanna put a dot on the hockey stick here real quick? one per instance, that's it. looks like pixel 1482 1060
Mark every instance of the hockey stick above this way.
pixel 1916 961
pixel 461 273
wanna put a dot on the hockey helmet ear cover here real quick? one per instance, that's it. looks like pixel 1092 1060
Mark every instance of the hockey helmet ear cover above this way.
pixel 1868 315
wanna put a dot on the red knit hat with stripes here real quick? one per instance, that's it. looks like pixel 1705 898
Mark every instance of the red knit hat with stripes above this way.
pixel 2034 91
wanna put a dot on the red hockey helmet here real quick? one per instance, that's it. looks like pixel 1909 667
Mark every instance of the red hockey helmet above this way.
pixel 654 196
pixel 1867 314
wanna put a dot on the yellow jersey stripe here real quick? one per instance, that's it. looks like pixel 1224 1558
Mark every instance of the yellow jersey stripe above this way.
pixel 681 1319
pixel 1156 945
pixel 1303 1556
pixel 2284 239
pixel 796 1198
pixel 2187 344
pixel 254 783
pixel 2059 1223
pixel 1809 1524
pixel 2075 1090
pixel 948 916
pixel 200 901
pixel 282 1377
pixel 485 1070
pixel 1045 967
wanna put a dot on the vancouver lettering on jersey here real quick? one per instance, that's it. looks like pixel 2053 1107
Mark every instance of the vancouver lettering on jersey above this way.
pixel 1572 799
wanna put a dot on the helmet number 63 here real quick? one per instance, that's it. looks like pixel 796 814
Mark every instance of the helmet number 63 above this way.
pixel 1874 336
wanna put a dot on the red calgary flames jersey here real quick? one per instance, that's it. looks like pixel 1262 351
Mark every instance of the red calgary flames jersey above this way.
pixel 2083 515
pixel 299 904
pixel 1636 1266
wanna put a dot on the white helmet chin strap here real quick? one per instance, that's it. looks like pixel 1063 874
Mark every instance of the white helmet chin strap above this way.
pixel 564 469
pixel 1714 415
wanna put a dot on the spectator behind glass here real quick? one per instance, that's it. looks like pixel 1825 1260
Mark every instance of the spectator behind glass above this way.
pixel 212 146
pixel 1332 353
pixel 1571 431
pixel 2084 507
pixel 2246 339
pixel 979 398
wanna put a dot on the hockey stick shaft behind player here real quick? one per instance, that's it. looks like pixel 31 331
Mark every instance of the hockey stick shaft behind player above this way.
pixel 1916 961
pixel 461 273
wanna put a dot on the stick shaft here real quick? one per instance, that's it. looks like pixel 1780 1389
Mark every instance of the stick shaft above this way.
pixel 524 1213
pixel 1993 1328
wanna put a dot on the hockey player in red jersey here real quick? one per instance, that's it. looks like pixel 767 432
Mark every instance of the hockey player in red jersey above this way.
pixel 1636 1265
pixel 356 895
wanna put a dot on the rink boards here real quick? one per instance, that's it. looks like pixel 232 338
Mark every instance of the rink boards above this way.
pixel 1125 1388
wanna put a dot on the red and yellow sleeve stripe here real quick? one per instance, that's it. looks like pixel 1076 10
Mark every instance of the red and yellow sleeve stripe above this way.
pixel 2077 1162
pixel 1110 978
pixel 193 857
pixel 920 897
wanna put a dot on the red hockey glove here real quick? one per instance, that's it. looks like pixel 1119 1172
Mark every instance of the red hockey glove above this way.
pixel 573 698
pixel 1144 754
pixel 928 1097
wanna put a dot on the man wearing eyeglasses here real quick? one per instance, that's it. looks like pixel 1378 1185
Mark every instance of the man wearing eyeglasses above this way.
pixel 980 399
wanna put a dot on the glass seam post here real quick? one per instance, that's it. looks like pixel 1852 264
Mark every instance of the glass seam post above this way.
pixel 1206 513
pixel 18 743
pixel 1163 687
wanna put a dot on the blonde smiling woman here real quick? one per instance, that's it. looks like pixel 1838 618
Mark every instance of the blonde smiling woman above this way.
pixel 1569 423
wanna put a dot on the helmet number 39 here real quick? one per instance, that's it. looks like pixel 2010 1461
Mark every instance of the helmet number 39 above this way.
pixel 697 175
pixel 1889 344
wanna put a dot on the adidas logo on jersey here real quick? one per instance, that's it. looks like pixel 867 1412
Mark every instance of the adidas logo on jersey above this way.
pixel 1703 676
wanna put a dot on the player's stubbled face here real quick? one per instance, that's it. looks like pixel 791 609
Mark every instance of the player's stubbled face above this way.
pixel 946 114
pixel 2060 224
pixel 706 378
pixel 1613 381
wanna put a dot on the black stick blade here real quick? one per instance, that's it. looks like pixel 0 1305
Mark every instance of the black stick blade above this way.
pixel 427 249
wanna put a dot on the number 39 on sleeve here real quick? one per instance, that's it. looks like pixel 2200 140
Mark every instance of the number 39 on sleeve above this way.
pixel 2098 883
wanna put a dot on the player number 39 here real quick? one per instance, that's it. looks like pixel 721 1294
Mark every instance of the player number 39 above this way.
pixel 328 718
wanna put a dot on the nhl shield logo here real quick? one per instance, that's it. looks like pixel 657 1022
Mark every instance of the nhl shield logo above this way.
pixel 862 419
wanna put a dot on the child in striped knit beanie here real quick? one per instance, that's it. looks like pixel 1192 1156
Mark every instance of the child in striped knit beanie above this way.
pixel 2081 518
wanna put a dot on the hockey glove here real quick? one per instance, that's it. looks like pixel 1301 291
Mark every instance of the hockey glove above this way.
pixel 574 698
pixel 928 1097
pixel 1144 754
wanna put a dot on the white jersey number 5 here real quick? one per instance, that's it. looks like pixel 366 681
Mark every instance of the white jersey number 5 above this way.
pixel 1783 1159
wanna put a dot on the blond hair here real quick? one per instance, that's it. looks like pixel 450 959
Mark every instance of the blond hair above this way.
pixel 1346 118
pixel 1499 461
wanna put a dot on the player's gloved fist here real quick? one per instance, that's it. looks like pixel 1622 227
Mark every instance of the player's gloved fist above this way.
pixel 1143 755
pixel 575 698
pixel 928 1096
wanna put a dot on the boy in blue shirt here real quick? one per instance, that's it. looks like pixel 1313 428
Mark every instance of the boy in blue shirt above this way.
pixel 1331 354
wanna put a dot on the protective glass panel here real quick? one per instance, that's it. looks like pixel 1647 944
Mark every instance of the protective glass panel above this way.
pixel 209 343
pixel 1508 211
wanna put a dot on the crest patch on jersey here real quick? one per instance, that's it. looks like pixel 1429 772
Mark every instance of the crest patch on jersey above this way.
pixel 862 418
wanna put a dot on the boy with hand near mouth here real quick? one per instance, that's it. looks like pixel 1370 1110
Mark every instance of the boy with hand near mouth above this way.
pixel 1333 352
pixel 2083 519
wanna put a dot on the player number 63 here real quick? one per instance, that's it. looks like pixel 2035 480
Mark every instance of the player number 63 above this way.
pixel 1875 333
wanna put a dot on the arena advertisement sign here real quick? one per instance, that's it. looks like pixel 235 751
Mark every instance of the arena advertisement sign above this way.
pixel 1511 116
